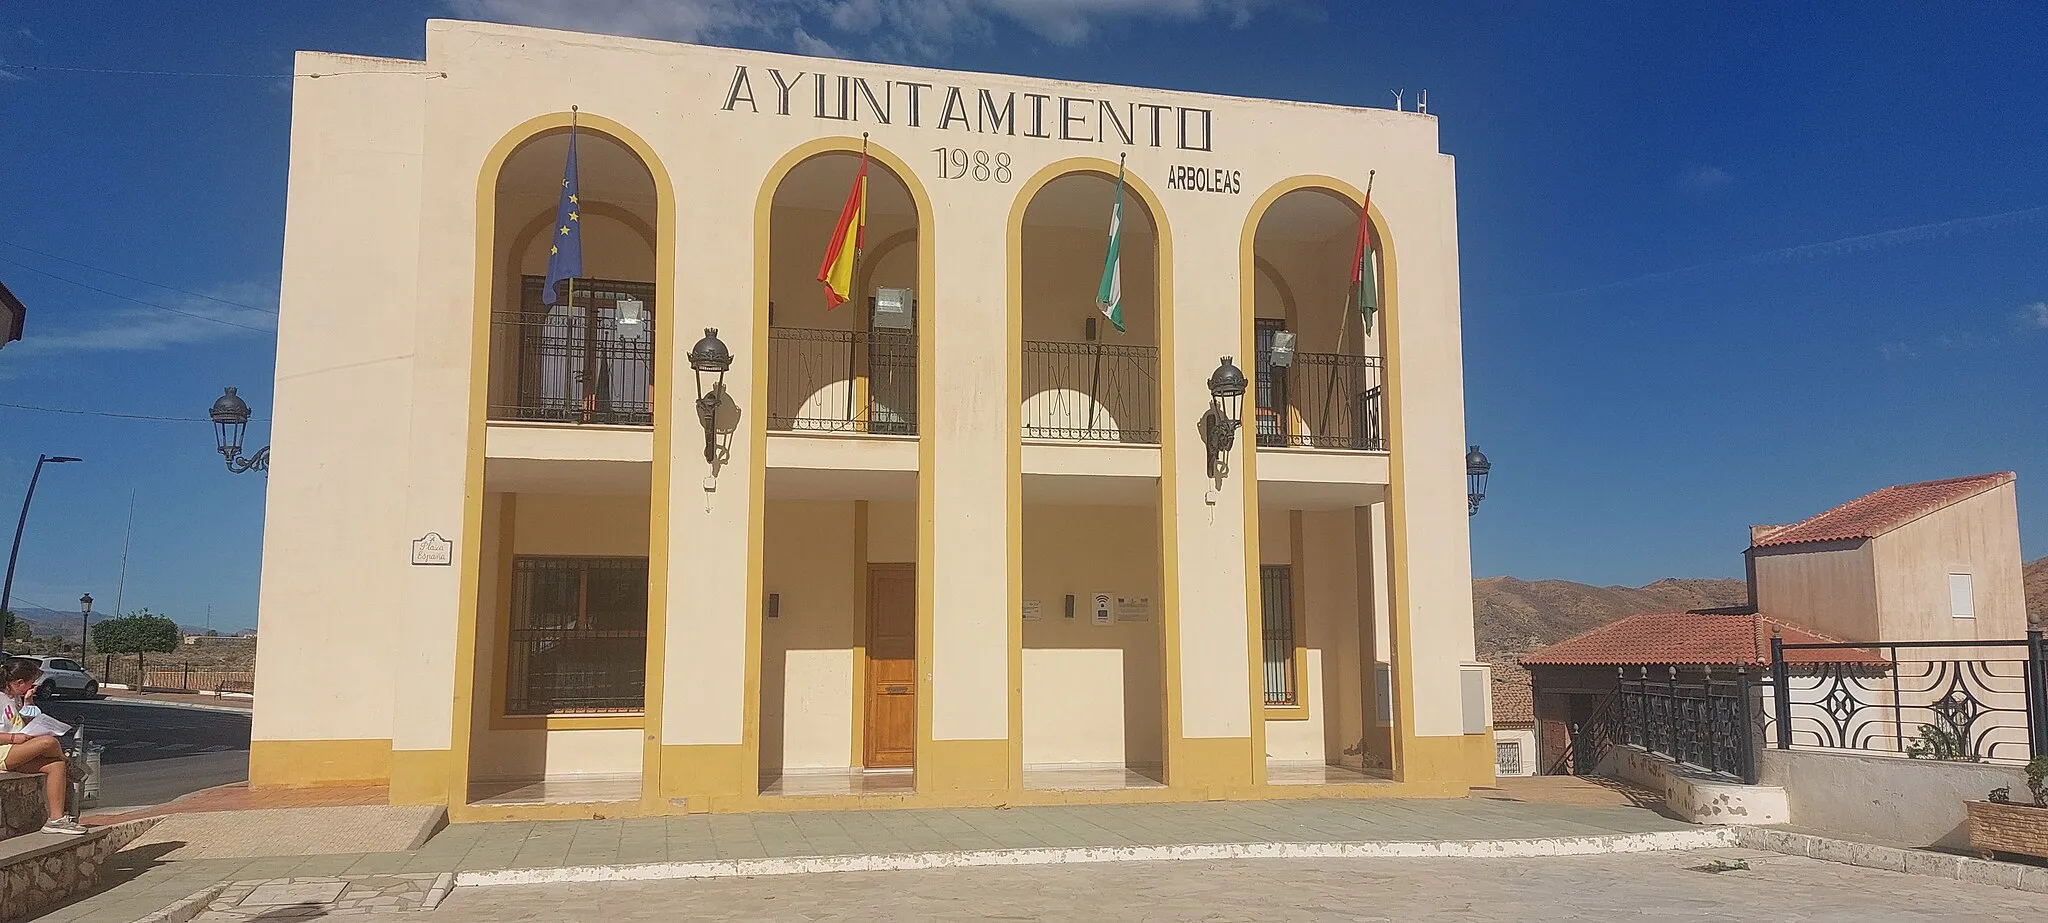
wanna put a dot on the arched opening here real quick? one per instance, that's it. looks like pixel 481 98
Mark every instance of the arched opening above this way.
pixel 1326 391
pixel 564 582
pixel 1083 378
pixel 1092 685
pixel 1318 380
pixel 839 685
pixel 850 368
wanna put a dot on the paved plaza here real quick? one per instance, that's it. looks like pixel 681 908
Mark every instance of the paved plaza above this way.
pixel 1663 886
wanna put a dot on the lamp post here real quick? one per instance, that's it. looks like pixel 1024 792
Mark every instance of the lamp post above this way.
pixel 1226 413
pixel 84 626
pixel 1476 468
pixel 230 422
pixel 7 588
pixel 710 360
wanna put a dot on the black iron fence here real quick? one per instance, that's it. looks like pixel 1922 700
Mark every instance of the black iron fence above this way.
pixel 1949 700
pixel 1322 400
pixel 587 359
pixel 1697 719
pixel 1091 391
pixel 843 381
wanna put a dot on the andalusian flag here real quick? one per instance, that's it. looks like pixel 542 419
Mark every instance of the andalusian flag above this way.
pixel 844 249
pixel 1364 281
pixel 1110 295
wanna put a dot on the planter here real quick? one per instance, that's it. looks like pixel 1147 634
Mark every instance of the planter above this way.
pixel 2021 829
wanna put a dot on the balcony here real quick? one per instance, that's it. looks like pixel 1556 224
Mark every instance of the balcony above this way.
pixel 842 381
pixel 586 362
pixel 1091 392
pixel 1321 401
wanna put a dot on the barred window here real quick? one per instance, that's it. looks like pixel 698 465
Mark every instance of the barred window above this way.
pixel 1507 758
pixel 578 639
pixel 1276 585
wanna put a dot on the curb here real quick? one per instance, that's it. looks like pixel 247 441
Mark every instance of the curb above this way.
pixel 1922 862
pixel 1704 838
pixel 153 703
pixel 187 909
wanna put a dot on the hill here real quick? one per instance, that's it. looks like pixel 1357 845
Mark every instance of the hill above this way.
pixel 1512 615
pixel 2036 572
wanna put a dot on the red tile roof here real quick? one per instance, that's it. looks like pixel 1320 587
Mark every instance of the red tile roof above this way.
pixel 1689 638
pixel 1874 514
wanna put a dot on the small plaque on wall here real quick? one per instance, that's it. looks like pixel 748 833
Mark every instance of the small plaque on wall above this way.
pixel 1031 610
pixel 1134 608
pixel 1102 608
pixel 431 550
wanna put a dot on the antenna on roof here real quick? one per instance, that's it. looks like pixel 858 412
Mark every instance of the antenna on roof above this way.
pixel 1397 98
pixel 1422 101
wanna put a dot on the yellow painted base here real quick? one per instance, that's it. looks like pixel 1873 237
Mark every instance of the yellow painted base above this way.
pixel 1466 759
pixel 952 766
pixel 420 776
pixel 316 763
pixel 1212 766
pixel 706 777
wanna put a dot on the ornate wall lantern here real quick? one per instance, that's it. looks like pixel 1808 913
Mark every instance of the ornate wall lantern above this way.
pixel 1226 413
pixel 710 360
pixel 1476 467
pixel 230 422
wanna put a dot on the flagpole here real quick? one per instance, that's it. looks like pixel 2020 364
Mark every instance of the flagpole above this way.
pixel 1344 313
pixel 859 382
pixel 1095 384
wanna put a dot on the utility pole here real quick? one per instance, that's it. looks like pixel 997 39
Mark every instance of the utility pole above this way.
pixel 7 588
pixel 122 584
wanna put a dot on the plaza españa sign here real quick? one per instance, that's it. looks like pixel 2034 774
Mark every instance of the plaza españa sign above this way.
pixel 847 98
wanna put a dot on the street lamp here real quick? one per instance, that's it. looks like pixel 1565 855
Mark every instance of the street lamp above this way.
pixel 230 421
pixel 84 626
pixel 710 358
pixel 1226 413
pixel 1476 467
pixel 7 588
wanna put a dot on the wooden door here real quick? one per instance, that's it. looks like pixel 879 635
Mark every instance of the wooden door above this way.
pixel 892 665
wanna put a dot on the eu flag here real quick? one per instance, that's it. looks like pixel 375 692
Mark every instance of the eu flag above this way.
pixel 565 254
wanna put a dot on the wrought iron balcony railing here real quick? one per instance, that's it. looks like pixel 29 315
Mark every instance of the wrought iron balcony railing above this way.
pixel 842 381
pixel 1321 400
pixel 1094 392
pixel 588 359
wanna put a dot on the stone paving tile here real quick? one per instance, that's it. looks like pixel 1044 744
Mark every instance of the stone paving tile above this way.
pixel 1659 886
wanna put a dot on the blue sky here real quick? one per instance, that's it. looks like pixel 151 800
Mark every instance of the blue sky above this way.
pixel 1718 269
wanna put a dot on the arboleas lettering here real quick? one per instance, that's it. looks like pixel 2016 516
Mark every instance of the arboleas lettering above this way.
pixel 1204 179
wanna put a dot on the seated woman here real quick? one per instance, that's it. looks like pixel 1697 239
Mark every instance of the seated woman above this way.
pixel 21 753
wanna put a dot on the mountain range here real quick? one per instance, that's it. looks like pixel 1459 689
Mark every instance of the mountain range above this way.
pixel 1512 615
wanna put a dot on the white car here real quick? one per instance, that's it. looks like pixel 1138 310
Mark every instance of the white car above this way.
pixel 63 676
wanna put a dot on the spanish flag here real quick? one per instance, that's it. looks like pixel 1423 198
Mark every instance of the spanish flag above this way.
pixel 844 248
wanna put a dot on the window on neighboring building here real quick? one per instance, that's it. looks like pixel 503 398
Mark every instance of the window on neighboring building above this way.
pixel 578 636
pixel 1962 596
pixel 1507 758
pixel 1276 585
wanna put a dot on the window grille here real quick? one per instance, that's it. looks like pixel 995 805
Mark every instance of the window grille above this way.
pixel 1507 758
pixel 1276 585
pixel 578 638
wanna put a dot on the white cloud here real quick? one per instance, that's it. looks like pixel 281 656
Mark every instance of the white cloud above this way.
pixel 1705 178
pixel 2035 316
pixel 888 28
pixel 1893 352
pixel 135 328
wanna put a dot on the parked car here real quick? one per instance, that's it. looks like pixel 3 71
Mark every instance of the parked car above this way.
pixel 63 676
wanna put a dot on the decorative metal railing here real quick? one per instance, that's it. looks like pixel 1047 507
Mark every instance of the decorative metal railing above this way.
pixel 587 359
pixel 1322 400
pixel 1952 700
pixel 577 642
pixel 1698 719
pixel 1095 392
pixel 842 381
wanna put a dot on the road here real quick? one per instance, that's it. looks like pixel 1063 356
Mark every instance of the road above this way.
pixel 156 753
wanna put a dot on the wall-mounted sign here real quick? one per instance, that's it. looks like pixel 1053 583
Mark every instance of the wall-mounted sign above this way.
pixel 1134 608
pixel 1102 608
pixel 846 98
pixel 1031 610
pixel 432 550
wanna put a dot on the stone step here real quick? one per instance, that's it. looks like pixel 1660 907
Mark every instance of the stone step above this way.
pixel 21 804
pixel 39 871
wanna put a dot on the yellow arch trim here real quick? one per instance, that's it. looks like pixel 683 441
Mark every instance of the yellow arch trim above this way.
pixel 1247 268
pixel 456 791
pixel 927 766
pixel 1169 438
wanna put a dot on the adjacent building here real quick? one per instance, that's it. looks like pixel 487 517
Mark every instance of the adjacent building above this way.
pixel 13 314
pixel 675 534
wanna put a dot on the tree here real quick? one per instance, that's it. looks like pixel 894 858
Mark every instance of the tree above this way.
pixel 140 633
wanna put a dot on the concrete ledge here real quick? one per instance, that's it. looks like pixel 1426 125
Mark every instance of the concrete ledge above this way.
pixel 1695 795
pixel 1706 838
pixel 39 871
pixel 1895 859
